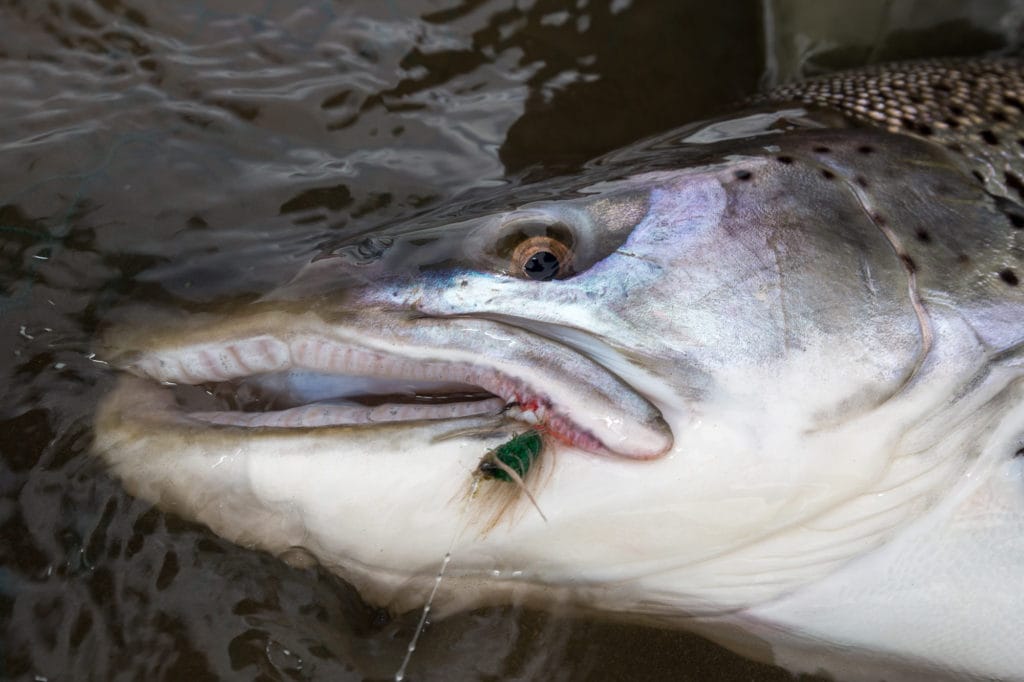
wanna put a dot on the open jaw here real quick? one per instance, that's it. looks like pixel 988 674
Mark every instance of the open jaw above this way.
pixel 305 399
pixel 303 378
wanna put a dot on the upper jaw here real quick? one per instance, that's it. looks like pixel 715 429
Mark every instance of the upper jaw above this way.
pixel 529 377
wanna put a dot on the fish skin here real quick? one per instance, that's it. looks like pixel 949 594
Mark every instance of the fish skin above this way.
pixel 973 107
pixel 796 244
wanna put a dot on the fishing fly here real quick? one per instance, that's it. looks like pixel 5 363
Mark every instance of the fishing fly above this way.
pixel 511 461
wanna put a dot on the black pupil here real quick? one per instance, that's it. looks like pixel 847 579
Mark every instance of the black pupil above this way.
pixel 542 265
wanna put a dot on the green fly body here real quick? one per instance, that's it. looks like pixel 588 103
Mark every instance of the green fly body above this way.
pixel 517 454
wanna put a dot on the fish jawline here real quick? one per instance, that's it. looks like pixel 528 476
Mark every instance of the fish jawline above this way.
pixel 196 360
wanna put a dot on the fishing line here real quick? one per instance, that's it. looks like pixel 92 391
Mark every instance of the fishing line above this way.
pixel 400 674
pixel 510 462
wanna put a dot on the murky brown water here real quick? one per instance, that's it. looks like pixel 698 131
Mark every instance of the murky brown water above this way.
pixel 178 153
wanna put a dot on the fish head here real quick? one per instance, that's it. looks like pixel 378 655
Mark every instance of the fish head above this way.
pixel 733 368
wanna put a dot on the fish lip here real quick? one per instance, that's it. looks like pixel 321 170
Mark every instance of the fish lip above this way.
pixel 195 357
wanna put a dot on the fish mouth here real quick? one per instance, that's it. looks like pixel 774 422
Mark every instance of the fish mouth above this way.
pixel 301 398
pixel 283 371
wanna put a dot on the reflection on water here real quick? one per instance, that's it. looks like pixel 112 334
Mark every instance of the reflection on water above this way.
pixel 180 153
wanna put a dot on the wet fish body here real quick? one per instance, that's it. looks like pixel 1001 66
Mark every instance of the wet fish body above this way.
pixel 777 359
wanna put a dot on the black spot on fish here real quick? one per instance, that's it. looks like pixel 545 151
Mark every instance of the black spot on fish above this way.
pixel 861 180
pixel 956 110
pixel 1013 102
pixel 922 235
pixel 997 115
pixel 978 176
pixel 878 218
pixel 1009 276
pixel 743 174
pixel 952 123
pixel 920 128
pixel 1014 183
pixel 866 149
pixel 1019 453
pixel 963 259
pixel 827 174
pixel 989 137
pixel 908 262
pixel 822 150
pixel 784 159
pixel 1013 212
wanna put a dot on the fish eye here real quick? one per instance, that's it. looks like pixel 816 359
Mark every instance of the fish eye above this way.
pixel 541 258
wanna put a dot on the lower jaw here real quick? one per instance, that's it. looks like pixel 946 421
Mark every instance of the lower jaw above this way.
pixel 310 400
pixel 326 414
pixel 138 409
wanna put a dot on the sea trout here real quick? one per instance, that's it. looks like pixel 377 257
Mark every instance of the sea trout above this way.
pixel 776 361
